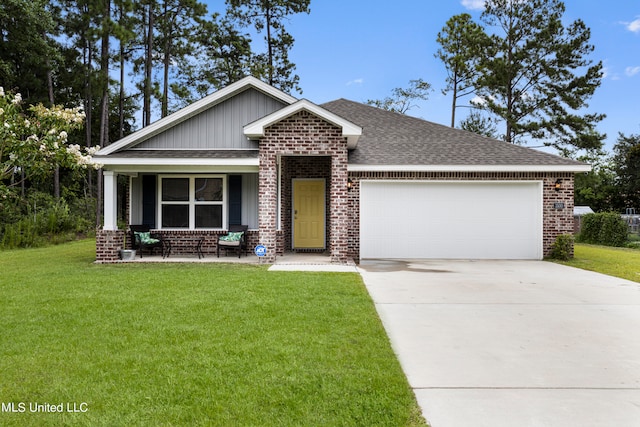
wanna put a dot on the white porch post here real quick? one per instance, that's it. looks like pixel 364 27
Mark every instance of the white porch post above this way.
pixel 110 200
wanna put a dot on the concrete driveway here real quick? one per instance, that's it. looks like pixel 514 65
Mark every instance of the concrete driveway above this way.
pixel 512 343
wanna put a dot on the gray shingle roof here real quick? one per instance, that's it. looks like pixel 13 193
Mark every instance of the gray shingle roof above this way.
pixel 396 139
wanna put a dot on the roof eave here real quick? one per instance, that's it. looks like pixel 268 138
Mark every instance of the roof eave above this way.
pixel 578 168
pixel 186 161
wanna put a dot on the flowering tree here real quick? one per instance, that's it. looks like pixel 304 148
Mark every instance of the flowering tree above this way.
pixel 34 143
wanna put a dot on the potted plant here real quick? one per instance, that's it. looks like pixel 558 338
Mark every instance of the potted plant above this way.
pixel 126 254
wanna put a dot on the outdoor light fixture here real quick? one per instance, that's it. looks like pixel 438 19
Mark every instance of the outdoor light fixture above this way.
pixel 349 184
pixel 558 184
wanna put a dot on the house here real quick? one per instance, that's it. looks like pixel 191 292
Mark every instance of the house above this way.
pixel 348 178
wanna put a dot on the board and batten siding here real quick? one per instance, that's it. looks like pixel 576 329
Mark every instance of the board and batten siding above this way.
pixel 220 127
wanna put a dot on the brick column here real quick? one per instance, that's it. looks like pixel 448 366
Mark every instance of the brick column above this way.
pixel 108 243
pixel 339 208
pixel 268 202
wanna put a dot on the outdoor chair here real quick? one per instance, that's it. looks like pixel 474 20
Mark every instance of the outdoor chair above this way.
pixel 142 238
pixel 235 240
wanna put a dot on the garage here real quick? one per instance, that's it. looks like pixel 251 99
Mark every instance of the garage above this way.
pixel 451 219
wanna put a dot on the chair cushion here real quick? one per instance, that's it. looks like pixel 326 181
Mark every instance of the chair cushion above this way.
pixel 145 238
pixel 232 237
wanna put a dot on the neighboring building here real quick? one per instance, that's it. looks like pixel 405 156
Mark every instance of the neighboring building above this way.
pixel 578 213
pixel 345 177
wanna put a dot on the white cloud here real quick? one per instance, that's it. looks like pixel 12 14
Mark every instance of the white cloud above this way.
pixel 633 26
pixel 631 71
pixel 479 101
pixel 473 4
pixel 355 82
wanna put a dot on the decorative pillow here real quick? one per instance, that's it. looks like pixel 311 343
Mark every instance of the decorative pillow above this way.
pixel 232 237
pixel 145 238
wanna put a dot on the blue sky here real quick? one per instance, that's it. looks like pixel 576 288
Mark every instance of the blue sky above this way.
pixel 361 50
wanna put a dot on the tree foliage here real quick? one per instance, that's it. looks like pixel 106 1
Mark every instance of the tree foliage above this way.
pixel 402 99
pixel 528 69
pixel 268 16
pixel 463 43
pixel 478 123
pixel 28 51
pixel 34 142
pixel 627 168
pixel 538 77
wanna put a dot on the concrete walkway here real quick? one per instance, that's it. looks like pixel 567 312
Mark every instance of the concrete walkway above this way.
pixel 513 343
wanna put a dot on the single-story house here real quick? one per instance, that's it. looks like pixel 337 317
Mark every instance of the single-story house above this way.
pixel 343 177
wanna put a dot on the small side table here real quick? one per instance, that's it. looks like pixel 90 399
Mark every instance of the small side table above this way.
pixel 196 245
pixel 166 248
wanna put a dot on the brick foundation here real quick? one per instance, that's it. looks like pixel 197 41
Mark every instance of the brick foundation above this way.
pixel 108 243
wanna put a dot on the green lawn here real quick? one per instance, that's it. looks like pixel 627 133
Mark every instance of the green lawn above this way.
pixel 197 344
pixel 619 262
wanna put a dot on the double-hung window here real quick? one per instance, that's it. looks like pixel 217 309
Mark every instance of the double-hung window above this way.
pixel 192 202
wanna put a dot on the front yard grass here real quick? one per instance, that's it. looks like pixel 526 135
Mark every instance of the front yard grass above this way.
pixel 199 344
pixel 618 262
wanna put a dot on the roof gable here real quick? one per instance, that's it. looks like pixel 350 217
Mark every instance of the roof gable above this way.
pixel 349 130
pixel 198 107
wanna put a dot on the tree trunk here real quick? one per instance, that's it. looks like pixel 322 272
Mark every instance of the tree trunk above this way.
pixel 121 94
pixel 148 68
pixel 56 171
pixel 104 104
pixel 269 43
pixel 166 63
pixel 455 99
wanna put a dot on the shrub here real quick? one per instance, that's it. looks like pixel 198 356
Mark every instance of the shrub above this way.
pixel 45 219
pixel 606 228
pixel 562 248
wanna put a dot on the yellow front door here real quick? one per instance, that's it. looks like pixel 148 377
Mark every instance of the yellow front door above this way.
pixel 309 214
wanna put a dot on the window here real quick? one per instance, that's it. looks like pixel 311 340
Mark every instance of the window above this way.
pixel 192 202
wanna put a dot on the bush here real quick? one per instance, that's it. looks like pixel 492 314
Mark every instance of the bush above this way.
pixel 562 248
pixel 606 228
pixel 45 219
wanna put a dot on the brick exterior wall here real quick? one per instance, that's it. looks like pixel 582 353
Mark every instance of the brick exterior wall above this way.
pixel 108 243
pixel 555 221
pixel 318 147
pixel 305 146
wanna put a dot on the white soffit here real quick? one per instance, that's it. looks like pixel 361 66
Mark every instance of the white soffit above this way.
pixel 351 131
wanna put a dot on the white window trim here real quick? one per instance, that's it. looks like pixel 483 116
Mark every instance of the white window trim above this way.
pixel 192 202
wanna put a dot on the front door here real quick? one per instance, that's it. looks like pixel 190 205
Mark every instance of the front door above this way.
pixel 309 214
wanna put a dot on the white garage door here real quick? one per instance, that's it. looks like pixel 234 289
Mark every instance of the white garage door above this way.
pixel 451 220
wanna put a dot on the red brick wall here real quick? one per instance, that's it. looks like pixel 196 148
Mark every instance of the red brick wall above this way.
pixel 108 243
pixel 303 134
pixel 555 221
